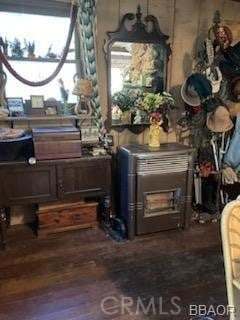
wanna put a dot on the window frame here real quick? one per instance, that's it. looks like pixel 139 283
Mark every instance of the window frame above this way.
pixel 52 8
pixel 45 7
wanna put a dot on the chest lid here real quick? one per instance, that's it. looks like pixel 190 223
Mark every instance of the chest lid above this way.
pixel 56 133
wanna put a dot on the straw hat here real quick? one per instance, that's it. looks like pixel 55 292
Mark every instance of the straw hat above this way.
pixel 219 120
pixel 234 107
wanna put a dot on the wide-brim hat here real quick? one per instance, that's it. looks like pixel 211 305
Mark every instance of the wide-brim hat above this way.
pixel 189 95
pixel 229 69
pixel 232 53
pixel 196 89
pixel 219 120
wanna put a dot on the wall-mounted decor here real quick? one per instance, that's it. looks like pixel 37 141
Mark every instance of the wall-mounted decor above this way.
pixel 137 57
pixel 15 107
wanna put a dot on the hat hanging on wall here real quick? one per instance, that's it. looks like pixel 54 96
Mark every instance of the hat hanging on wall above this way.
pixel 190 95
pixel 220 35
pixel 229 69
pixel 195 89
pixel 223 36
pixel 219 120
pixel 234 107
pixel 235 88
pixel 232 53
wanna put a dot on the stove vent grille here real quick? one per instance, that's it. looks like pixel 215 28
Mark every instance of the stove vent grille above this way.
pixel 162 164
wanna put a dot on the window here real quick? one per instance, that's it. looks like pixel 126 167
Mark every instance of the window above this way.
pixel 49 34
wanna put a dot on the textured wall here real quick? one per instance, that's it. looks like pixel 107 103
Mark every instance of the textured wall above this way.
pixel 186 22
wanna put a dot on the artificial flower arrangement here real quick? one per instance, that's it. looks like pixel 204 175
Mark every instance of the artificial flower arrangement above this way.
pixel 158 106
pixel 157 102
pixel 153 105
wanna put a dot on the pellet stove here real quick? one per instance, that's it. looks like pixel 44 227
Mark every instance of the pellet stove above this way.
pixel 154 187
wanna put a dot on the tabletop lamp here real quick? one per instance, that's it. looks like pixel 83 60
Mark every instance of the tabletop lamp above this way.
pixel 83 89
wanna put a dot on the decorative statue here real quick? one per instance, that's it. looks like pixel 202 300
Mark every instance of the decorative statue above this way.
pixel 155 130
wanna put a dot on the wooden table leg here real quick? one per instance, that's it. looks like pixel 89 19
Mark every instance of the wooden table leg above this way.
pixel 3 227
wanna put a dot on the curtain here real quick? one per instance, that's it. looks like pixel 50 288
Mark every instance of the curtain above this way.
pixel 86 31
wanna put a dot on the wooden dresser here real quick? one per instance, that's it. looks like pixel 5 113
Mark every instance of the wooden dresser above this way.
pixel 52 180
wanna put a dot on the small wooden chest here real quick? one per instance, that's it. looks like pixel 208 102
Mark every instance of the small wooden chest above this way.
pixel 56 143
pixel 63 216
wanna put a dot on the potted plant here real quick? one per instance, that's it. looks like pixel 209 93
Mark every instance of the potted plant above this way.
pixel 30 47
pixel 16 48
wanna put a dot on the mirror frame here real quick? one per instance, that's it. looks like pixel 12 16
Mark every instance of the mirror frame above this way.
pixel 137 33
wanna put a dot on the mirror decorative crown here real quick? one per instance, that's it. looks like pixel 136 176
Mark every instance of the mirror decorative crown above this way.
pixel 137 55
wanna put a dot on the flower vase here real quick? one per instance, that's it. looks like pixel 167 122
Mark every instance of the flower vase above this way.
pixel 155 132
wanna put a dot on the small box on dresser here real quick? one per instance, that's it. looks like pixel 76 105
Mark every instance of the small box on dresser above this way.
pixel 63 216
pixel 56 143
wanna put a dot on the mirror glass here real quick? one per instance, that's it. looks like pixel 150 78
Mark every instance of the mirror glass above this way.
pixel 137 54
pixel 136 64
pixel 136 68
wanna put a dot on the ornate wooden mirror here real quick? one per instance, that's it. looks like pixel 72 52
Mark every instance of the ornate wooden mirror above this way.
pixel 136 54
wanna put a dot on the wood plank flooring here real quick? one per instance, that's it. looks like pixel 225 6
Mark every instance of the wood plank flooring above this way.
pixel 67 276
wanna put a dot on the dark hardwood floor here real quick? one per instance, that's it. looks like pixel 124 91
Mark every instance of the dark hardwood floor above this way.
pixel 83 275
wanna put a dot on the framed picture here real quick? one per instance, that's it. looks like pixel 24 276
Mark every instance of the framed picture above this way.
pixel 37 102
pixel 52 107
pixel 51 111
pixel 15 107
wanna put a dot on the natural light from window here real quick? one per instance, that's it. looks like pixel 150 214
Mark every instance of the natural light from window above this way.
pixel 46 32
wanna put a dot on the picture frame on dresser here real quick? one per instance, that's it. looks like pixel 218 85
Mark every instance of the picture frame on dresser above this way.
pixel 35 105
pixel 15 106
pixel 52 107
pixel 37 101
